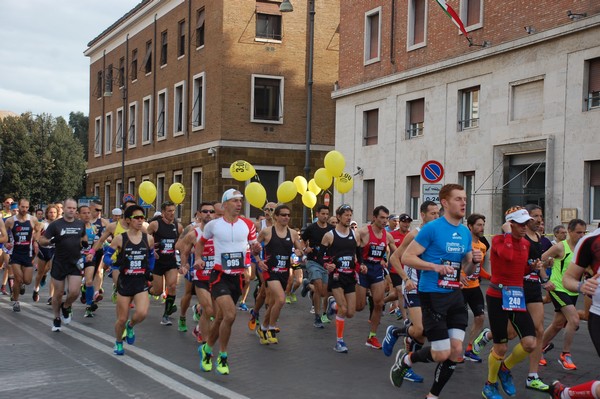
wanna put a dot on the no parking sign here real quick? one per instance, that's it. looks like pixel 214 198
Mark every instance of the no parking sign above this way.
pixel 432 171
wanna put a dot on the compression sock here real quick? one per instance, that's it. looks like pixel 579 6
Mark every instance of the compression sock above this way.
pixel 169 302
pixel 518 355
pixel 494 363
pixel 585 390
pixel 443 372
pixel 423 355
pixel 339 327
pixel 89 295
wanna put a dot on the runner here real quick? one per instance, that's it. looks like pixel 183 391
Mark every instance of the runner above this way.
pixel 398 234
pixel 101 224
pixel 44 256
pixel 89 267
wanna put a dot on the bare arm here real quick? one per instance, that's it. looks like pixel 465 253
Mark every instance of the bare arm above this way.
pixel 3 233
pixel 153 227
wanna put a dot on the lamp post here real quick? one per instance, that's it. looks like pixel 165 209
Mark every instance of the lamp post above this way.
pixel 286 6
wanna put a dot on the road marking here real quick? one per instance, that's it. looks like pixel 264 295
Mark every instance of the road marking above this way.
pixel 157 360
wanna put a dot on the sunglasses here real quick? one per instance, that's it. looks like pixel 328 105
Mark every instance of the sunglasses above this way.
pixel 139 217
pixel 98 210
pixel 269 209
pixel 207 211
pixel 285 215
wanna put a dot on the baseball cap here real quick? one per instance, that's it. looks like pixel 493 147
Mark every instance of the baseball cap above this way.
pixel 353 222
pixel 393 217
pixel 405 218
pixel 14 205
pixel 231 194
pixel 117 212
pixel 157 214
pixel 520 216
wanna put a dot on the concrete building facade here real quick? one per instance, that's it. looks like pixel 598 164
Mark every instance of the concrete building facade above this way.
pixel 514 117
pixel 199 84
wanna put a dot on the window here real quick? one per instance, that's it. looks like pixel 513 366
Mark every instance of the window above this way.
pixel 371 127
pixel 108 84
pixel 527 99
pixel 134 65
pixel 97 137
pixel 163 48
pixel 270 177
pixel 469 108
pixel 196 189
pixel 368 199
pixel 198 107
pixel 160 189
pixel 200 17
pixel 131 186
pixel 594 191
pixel 161 125
pixel 99 84
pixel 108 133
pixel 147 120
pixel 416 117
pixel 120 129
pixel 178 178
pixel 267 99
pixel 118 193
pixel 373 36
pixel 593 95
pixel 413 184
pixel 181 41
pixel 471 13
pixel 132 125
pixel 179 109
pixel 268 21
pixel 148 57
pixel 107 195
pixel 417 21
pixel 122 72
pixel 467 180
pixel 97 190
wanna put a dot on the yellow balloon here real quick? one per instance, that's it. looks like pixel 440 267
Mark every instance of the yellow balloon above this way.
pixel 242 170
pixel 309 199
pixel 335 163
pixel 177 193
pixel 313 188
pixel 344 183
pixel 301 184
pixel 286 191
pixel 323 178
pixel 147 191
pixel 256 194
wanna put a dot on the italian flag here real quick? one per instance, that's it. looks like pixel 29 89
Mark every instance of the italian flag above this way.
pixel 454 16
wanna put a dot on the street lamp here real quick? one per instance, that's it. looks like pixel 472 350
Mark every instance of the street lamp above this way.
pixel 286 6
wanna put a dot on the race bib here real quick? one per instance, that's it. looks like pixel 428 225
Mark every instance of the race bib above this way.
pixel 451 281
pixel 345 264
pixel 282 263
pixel 513 299
pixel 209 263
pixel 233 261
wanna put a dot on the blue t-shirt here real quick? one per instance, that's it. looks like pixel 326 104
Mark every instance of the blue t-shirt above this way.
pixel 442 242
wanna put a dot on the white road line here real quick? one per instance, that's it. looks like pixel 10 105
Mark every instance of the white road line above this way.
pixel 157 360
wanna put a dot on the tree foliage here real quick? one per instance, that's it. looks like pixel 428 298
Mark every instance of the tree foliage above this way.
pixel 42 160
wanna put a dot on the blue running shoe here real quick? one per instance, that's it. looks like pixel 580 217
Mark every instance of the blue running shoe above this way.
pixel 506 381
pixel 490 391
pixel 389 341
pixel 129 334
pixel 340 347
pixel 118 349
pixel 412 376
pixel 242 306
pixel 330 309
pixel 469 355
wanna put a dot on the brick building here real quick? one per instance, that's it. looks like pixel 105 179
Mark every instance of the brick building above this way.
pixel 198 84
pixel 513 118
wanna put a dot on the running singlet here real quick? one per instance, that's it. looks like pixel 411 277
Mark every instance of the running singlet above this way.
pixel 278 252
pixel 22 233
pixel 164 241
pixel 208 256
pixel 535 253
pixel 473 279
pixel 412 274
pixel 342 252
pixel 507 257
pixel 587 253
pixel 374 251
pixel 398 238
pixel 92 236
pixel 558 270
pixel 313 235
pixel 230 241
pixel 133 258
pixel 447 244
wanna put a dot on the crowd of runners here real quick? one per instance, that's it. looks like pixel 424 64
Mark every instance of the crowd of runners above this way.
pixel 428 275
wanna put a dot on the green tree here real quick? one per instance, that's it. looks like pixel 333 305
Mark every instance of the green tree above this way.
pixel 80 125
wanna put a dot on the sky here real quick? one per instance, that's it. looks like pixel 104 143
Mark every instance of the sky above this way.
pixel 42 65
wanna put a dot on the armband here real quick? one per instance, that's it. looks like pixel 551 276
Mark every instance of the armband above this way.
pixel 359 254
pixel 108 253
pixel 151 259
pixel 92 252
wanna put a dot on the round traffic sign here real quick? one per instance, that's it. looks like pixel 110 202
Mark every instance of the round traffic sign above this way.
pixel 432 171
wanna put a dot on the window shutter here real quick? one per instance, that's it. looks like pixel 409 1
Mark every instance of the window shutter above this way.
pixel 415 190
pixel 374 36
pixel 594 78
pixel 417 111
pixel 595 173
pixel 419 26
pixel 473 12
pixel 267 8
pixel 200 22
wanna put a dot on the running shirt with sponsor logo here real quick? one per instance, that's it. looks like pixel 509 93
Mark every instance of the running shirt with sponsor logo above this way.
pixel 22 232
pixel 67 238
pixel 208 256
pixel 374 251
pixel 343 252
pixel 278 252
pixel 230 242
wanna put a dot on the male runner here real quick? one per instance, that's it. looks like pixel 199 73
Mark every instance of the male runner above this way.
pixel 44 256
pixel 89 267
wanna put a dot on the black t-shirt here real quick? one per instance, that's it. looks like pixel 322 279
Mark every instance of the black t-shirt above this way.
pixel 67 236
pixel 314 235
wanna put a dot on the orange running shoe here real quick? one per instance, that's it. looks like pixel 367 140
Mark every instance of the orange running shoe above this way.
pixel 543 361
pixel 373 342
pixel 566 362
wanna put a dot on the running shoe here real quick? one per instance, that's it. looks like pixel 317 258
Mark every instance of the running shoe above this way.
pixel 56 325
pixel 88 313
pixel 543 361
pixel 113 297
pixel 196 333
pixel 242 306
pixel 172 309
pixel 373 342
pixel 36 296
pixel 93 307
pixel 253 320
pixel 461 360
pixel 340 347
pixel 118 349
pixel 205 359
pixel 399 314
pixel 469 355
pixel 566 362
pixel 262 336
pixel 3 290
pixel 506 381
pixel 318 323
pixel 22 289
pixel 16 306
pixel 409 344
pixel 312 309
pixel 556 390
pixel 548 348
pixel 288 299
pixel 272 337
pixel 43 281
pixel 166 321
pixel 98 296
pixel 399 369
pixel 481 341
pixel 293 297
pixel 389 341
pixel 305 287
pixel 537 384
pixel 49 301
pixel 222 367
pixel 412 376
pixel 330 306
pixel 196 313
pixel 65 313
pixel 490 391
pixel 129 333
pixel 182 325
pixel 82 296
pixel 325 319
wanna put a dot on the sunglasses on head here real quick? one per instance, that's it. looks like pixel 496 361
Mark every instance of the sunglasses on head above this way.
pixel 207 211
pixel 138 217
pixel 269 209
pixel 285 215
